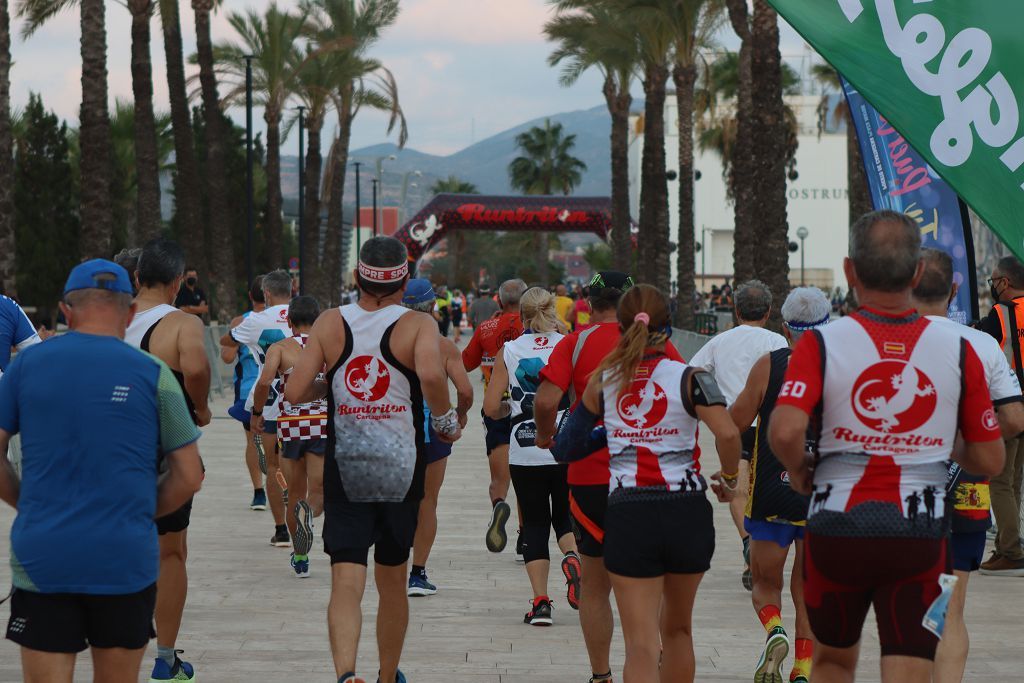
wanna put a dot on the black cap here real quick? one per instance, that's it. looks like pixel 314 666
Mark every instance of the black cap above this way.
pixel 610 279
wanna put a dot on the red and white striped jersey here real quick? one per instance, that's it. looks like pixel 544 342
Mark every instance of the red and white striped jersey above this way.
pixel 305 421
pixel 651 434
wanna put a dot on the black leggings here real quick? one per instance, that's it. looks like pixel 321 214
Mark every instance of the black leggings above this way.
pixel 543 495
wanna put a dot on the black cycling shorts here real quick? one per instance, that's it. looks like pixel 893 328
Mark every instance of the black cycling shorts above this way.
pixel 71 622
pixel 351 528
pixel 298 449
pixel 588 504
pixel 652 532
pixel 176 521
pixel 497 432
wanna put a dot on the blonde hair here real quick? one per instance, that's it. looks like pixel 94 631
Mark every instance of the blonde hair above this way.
pixel 537 309
pixel 643 317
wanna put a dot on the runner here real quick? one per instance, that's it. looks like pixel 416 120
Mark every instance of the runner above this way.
pixel 776 514
pixel 301 431
pixel 487 342
pixel 246 372
pixel 971 517
pixel 258 331
pixel 483 308
pixel 384 363
pixel 443 309
pixel 89 478
pixel 16 331
pixel 542 487
pixel 176 338
pixel 419 296
pixel 458 308
pixel 729 356
pixel 582 311
pixel 659 534
pixel 892 389
pixel 565 306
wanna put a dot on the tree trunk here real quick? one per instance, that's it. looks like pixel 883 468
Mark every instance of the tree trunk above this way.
pixel 653 264
pixel 741 163
pixel 540 247
pixel 147 171
pixel 622 238
pixel 857 180
pixel 310 256
pixel 272 226
pixel 771 137
pixel 222 253
pixel 94 135
pixel 187 195
pixel 8 279
pixel 684 77
pixel 334 260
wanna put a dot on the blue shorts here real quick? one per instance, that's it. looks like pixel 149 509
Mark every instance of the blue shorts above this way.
pixel 783 533
pixel 497 432
pixel 238 411
pixel 968 550
pixel 436 449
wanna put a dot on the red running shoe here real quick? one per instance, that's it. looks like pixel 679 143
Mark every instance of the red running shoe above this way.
pixel 572 570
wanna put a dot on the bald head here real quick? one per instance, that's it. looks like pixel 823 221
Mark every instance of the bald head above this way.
pixel 885 249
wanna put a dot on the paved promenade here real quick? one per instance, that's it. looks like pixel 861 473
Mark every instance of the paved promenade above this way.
pixel 249 619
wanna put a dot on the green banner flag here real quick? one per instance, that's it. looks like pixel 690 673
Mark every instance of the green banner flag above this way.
pixel 949 76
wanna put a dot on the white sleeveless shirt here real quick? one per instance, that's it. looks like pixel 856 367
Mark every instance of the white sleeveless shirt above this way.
pixel 143 321
pixel 376 409
pixel 524 358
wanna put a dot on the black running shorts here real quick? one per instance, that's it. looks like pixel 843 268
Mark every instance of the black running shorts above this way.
pixel 176 521
pixel 298 449
pixel 351 528
pixel 653 532
pixel 588 504
pixel 71 622
pixel 844 577
pixel 497 432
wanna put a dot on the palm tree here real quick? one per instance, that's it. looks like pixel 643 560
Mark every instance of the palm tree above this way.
pixel 598 37
pixel 187 197
pixel 349 31
pixel 222 248
pixel 457 239
pixel 742 163
pixel 147 173
pixel 271 40
pixel 453 185
pixel 545 165
pixel 8 270
pixel 857 182
pixel 94 117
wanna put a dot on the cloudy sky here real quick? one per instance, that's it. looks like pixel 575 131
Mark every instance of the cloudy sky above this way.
pixel 466 69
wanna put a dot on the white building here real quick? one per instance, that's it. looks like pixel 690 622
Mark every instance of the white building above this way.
pixel 817 198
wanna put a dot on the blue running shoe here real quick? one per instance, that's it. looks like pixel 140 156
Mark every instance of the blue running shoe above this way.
pixel 259 500
pixel 399 678
pixel 301 567
pixel 419 585
pixel 181 671
pixel 303 539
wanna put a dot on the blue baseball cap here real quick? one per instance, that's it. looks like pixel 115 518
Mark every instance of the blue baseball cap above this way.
pixel 418 291
pixel 98 274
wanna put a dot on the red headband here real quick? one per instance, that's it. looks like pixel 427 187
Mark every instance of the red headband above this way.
pixel 383 274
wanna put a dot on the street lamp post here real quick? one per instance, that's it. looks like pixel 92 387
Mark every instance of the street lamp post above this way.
pixel 703 258
pixel 379 162
pixel 249 216
pixel 375 184
pixel 302 201
pixel 358 222
pixel 405 189
pixel 802 233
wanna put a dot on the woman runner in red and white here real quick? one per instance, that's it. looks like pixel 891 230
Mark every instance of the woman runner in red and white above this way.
pixel 302 431
pixel 659 534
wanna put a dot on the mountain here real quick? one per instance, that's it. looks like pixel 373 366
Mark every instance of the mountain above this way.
pixel 485 164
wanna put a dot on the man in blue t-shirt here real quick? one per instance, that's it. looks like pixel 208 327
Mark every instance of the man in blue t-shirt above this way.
pixel 90 476
pixel 16 331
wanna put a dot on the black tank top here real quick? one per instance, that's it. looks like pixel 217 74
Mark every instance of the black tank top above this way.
pixel 771 498
pixel 144 345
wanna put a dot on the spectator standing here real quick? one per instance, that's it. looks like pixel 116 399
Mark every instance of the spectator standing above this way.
pixel 191 298
pixel 484 307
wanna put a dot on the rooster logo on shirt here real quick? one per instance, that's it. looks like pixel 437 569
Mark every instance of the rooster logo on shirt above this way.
pixel 643 405
pixel 893 396
pixel 367 378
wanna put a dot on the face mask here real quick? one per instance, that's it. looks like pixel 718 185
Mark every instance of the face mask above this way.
pixel 191 282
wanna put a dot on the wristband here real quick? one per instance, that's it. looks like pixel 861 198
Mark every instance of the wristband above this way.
pixel 259 414
pixel 729 477
pixel 447 424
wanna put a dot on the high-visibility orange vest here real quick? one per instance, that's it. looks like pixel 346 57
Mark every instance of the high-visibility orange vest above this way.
pixel 1011 323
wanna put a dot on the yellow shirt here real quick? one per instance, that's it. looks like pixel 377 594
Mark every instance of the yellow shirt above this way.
pixel 564 305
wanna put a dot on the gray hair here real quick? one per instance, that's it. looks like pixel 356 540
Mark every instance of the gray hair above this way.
pixel 886 257
pixel 278 283
pixel 1012 269
pixel 753 300
pixel 161 262
pixel 806 308
pixel 422 307
pixel 937 280
pixel 511 291
pixel 82 298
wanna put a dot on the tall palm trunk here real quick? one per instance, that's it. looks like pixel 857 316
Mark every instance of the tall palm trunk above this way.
pixel 272 226
pixel 684 77
pixel 147 171
pixel 310 256
pixel 7 245
pixel 771 137
pixel 94 135
pixel 222 258
pixel 653 257
pixel 742 161
pixel 188 197
pixel 333 259
pixel 622 239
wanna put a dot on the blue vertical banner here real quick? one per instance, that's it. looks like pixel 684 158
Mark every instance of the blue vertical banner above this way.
pixel 901 180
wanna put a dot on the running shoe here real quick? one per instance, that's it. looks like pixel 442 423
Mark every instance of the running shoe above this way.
pixel 420 586
pixel 181 671
pixel 303 541
pixel 399 678
pixel 301 567
pixel 257 440
pixel 281 539
pixel 520 548
pixel 350 678
pixel 496 536
pixel 259 500
pixel 769 666
pixel 540 613
pixel 604 678
pixel 571 570
pixel 799 679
